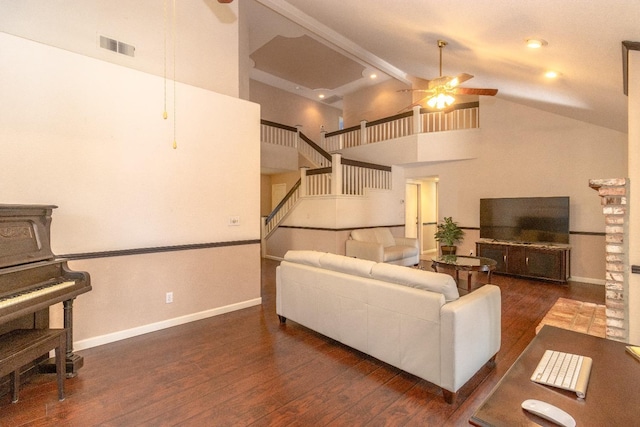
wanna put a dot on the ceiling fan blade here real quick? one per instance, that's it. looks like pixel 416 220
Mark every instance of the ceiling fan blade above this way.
pixel 410 106
pixel 475 91
pixel 416 90
pixel 440 81
pixel 459 79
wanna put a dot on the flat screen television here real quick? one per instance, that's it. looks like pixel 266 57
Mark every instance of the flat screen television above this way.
pixel 525 219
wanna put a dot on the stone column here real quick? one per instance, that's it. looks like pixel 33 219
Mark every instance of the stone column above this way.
pixel 614 193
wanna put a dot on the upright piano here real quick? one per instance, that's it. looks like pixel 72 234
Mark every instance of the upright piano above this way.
pixel 32 279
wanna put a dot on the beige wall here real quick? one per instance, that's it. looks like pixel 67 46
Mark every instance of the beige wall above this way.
pixel 265 195
pixel 86 132
pixel 528 152
pixel 376 102
pixel 634 200
pixel 128 296
pixel 292 238
pixel 288 109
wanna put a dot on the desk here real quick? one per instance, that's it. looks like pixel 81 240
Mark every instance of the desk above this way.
pixel 612 395
pixel 465 263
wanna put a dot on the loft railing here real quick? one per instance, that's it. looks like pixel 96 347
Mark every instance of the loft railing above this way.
pixel 419 120
pixel 289 136
pixel 278 134
pixel 356 176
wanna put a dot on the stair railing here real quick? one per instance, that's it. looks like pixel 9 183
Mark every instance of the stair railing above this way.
pixel 289 136
pixel 271 222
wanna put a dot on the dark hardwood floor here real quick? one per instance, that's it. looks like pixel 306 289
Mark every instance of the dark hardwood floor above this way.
pixel 243 368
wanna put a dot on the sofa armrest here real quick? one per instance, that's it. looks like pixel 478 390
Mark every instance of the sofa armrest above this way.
pixel 470 333
pixel 365 250
pixel 407 241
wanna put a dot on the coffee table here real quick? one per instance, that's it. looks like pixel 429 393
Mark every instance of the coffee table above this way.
pixel 465 263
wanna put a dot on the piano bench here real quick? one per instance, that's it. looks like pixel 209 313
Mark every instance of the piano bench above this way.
pixel 22 346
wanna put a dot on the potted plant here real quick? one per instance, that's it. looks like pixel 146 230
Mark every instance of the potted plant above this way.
pixel 448 234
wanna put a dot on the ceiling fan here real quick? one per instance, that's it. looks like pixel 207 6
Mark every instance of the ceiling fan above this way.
pixel 441 90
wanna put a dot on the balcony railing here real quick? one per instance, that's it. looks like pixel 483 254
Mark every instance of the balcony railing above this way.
pixel 420 120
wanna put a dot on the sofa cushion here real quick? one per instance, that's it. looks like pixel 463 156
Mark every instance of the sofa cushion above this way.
pixel 311 258
pixel 377 235
pixel 420 279
pixel 384 236
pixel 394 253
pixel 347 265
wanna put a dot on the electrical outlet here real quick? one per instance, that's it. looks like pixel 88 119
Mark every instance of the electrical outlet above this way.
pixel 234 220
pixel 169 297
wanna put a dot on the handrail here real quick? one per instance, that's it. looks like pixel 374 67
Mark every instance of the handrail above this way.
pixel 341 131
pixel 358 163
pixel 390 119
pixel 283 201
pixel 278 125
pixel 315 146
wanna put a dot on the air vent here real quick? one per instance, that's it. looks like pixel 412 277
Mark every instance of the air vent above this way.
pixel 117 46
pixel 332 99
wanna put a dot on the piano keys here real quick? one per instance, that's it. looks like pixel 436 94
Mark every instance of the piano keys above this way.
pixel 32 279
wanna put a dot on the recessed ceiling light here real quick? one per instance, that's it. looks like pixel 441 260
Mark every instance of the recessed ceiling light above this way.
pixel 551 74
pixel 321 96
pixel 535 43
pixel 373 76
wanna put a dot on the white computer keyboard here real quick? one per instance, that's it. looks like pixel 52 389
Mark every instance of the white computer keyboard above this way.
pixel 564 370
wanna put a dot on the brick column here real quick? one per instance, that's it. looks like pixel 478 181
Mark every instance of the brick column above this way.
pixel 614 193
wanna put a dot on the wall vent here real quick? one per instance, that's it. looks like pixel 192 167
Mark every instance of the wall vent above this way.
pixel 117 46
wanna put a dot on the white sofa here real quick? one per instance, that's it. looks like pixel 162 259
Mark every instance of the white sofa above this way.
pixel 412 319
pixel 378 244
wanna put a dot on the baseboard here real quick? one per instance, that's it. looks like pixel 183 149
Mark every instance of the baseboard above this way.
pixel 152 327
pixel 587 280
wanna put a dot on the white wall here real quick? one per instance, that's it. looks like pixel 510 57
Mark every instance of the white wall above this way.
pixel 89 136
pixel 206 35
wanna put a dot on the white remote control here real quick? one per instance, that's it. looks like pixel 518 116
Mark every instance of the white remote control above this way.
pixel 548 412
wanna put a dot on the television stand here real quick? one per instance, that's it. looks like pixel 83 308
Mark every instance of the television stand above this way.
pixel 532 260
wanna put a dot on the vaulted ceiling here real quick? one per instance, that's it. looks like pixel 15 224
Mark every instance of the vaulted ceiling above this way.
pixel 332 46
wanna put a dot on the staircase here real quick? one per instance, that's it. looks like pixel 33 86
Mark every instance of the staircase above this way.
pixel 334 175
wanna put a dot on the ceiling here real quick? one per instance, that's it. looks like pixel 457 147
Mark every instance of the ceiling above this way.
pixel 397 39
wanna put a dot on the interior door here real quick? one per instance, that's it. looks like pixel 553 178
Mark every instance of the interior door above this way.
pixel 412 211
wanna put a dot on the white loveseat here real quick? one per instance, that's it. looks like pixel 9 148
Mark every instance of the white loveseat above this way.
pixel 409 318
pixel 378 244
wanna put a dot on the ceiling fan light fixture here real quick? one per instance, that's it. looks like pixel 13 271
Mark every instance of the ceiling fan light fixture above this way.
pixel 440 100
pixel 535 43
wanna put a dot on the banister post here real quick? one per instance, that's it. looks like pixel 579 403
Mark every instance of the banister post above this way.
pixel 303 181
pixel 323 143
pixel 336 174
pixel 417 123
pixel 363 133
pixel 298 130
